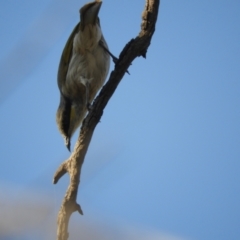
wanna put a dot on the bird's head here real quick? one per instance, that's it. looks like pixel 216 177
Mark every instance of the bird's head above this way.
pixel 89 29
pixel 89 14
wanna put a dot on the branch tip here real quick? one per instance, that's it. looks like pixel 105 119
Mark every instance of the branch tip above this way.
pixel 79 209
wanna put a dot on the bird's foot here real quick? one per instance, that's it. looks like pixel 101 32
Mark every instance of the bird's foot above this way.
pixel 89 106
pixel 115 59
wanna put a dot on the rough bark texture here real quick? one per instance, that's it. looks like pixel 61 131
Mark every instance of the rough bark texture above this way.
pixel 135 48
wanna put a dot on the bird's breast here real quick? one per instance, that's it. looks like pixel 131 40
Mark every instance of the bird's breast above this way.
pixel 93 65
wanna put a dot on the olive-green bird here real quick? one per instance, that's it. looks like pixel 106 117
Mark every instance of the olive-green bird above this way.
pixel 83 69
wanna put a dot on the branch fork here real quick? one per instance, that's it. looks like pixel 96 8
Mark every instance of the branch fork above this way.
pixel 135 48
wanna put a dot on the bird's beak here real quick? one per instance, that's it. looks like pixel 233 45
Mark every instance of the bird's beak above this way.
pixel 89 13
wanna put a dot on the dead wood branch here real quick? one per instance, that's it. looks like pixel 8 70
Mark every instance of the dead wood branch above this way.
pixel 135 48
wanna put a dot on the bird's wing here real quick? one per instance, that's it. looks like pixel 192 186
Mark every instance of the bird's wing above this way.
pixel 65 58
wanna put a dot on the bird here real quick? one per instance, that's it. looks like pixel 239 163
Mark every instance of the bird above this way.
pixel 83 68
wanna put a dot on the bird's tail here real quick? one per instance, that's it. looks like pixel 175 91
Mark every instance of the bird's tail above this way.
pixel 69 117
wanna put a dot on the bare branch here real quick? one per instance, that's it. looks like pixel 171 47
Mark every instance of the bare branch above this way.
pixel 60 172
pixel 135 48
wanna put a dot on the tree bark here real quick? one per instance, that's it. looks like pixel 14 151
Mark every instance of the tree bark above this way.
pixel 135 48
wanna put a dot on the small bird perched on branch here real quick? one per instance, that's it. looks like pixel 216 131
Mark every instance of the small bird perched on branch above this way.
pixel 83 69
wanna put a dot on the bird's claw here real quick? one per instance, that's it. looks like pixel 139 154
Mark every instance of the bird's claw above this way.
pixel 115 60
pixel 89 106
pixel 127 72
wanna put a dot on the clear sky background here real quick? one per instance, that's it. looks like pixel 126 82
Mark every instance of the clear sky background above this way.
pixel 164 162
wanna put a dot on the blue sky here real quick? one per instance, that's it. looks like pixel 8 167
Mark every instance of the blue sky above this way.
pixel 165 157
